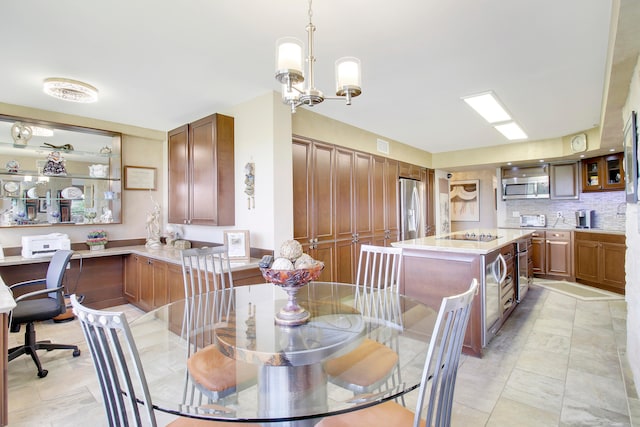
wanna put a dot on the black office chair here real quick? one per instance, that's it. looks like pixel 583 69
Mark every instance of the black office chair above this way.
pixel 29 310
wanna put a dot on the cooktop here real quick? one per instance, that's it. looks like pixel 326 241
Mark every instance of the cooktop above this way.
pixel 471 236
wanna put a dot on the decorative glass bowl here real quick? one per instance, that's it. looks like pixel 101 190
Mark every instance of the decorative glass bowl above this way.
pixel 291 281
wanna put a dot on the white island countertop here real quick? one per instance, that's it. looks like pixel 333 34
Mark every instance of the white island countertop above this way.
pixel 444 244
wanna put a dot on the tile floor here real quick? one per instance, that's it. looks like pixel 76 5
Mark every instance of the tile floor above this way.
pixel 557 361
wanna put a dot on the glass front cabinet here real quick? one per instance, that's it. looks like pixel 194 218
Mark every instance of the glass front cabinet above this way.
pixel 53 174
pixel 603 173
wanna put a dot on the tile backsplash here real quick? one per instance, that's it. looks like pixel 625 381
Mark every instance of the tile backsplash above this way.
pixel 609 207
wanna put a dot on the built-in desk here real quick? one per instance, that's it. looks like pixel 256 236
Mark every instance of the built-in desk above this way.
pixel 6 305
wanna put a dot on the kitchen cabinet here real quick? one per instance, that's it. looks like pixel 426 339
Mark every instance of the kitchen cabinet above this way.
pixel 429 179
pixel 201 172
pixel 146 282
pixel 565 180
pixel 552 254
pixel 407 170
pixel 385 201
pixel 508 287
pixel 604 173
pixel 314 201
pixel 600 260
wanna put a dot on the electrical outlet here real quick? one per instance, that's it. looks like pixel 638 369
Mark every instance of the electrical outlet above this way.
pixel 559 214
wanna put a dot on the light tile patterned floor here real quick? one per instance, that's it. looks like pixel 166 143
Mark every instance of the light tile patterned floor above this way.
pixel 557 361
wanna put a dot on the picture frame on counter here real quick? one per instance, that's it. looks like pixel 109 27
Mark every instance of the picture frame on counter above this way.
pixel 464 198
pixel 237 243
pixel 631 158
pixel 139 178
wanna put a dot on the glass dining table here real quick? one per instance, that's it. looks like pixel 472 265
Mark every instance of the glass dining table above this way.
pixel 290 386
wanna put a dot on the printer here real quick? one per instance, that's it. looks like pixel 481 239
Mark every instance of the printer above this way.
pixel 44 245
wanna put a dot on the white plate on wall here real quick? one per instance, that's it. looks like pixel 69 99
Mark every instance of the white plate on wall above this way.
pixel 11 186
pixel 71 193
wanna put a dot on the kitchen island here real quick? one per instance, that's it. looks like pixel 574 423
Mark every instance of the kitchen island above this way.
pixel 438 266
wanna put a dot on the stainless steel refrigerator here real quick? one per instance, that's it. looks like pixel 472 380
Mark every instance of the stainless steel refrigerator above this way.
pixel 411 209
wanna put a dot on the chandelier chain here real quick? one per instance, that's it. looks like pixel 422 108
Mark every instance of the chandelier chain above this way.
pixel 310 12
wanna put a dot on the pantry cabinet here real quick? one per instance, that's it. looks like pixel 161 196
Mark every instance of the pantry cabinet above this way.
pixel 385 201
pixel 201 172
pixel 604 173
pixel 600 260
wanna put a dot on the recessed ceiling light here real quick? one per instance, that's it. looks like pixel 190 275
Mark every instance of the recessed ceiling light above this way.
pixel 541 160
pixel 612 149
pixel 487 105
pixel 511 131
pixel 582 156
pixel 70 90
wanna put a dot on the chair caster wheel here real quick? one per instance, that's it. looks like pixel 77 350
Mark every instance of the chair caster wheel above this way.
pixel 76 353
pixel 43 373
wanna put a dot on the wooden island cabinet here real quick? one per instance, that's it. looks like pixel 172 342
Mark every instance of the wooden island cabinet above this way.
pixel 600 260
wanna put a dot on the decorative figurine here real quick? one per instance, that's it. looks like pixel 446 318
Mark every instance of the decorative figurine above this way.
pixel 21 134
pixel 249 184
pixel 55 164
pixel 153 227
pixel 12 166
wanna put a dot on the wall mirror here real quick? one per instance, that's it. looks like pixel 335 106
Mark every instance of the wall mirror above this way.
pixel 53 174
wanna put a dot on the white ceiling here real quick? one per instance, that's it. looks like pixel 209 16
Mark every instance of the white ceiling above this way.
pixel 159 64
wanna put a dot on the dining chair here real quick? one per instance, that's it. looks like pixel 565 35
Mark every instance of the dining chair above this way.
pixel 49 303
pixel 208 288
pixel 373 362
pixel 123 384
pixel 438 376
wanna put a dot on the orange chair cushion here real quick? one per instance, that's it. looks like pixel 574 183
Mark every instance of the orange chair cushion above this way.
pixel 365 365
pixel 192 422
pixel 388 414
pixel 217 372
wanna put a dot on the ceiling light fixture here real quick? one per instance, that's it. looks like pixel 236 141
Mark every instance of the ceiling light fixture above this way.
pixel 70 90
pixel 289 72
pixel 511 131
pixel 487 105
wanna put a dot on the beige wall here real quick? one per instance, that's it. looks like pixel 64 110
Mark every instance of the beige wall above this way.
pixel 633 249
pixel 487 178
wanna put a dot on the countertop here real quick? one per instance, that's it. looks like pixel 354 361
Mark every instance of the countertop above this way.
pixel 164 253
pixel 441 243
pixel 581 230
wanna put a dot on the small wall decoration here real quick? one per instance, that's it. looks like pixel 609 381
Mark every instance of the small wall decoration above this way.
pixel 249 181
pixel 139 178
pixel 464 197
pixel 237 243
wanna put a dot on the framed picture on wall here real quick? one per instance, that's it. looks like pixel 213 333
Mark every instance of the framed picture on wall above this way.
pixel 237 243
pixel 464 198
pixel 631 158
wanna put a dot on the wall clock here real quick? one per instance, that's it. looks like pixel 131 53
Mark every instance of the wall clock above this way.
pixel 579 143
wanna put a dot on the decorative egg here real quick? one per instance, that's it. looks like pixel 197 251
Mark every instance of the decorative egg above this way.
pixel 291 249
pixel 304 261
pixel 282 264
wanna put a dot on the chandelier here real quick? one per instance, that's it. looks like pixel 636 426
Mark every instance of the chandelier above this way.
pixel 289 72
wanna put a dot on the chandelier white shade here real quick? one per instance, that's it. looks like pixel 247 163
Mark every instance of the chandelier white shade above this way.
pixel 70 90
pixel 298 87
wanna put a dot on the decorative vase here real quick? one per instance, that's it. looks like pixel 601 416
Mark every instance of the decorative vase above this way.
pixel 96 247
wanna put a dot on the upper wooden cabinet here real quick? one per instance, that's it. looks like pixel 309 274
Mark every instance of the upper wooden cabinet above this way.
pixel 604 173
pixel 201 172
pixel 565 180
pixel 407 170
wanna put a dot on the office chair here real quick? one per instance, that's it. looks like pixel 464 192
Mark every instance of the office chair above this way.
pixel 208 289
pixel 117 362
pixel 438 376
pixel 29 310
pixel 372 363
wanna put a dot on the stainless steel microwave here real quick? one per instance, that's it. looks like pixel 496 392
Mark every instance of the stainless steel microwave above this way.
pixel 535 187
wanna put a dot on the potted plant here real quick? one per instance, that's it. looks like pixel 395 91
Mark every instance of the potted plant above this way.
pixel 96 239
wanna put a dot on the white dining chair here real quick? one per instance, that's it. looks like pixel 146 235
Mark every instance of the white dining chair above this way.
pixel 373 363
pixel 208 287
pixel 123 384
pixel 438 376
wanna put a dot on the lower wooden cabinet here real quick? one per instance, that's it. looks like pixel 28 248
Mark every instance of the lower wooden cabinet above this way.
pixel 600 260
pixel 552 254
pixel 150 283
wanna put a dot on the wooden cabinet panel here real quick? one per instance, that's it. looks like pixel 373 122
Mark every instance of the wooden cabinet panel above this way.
pixel 363 201
pixel 430 200
pixel 391 201
pixel 378 183
pixel 605 173
pixel 302 191
pixel 600 260
pixel 538 248
pixel 564 181
pixel 131 283
pixel 323 212
pixel 178 140
pixel 558 255
pixel 208 181
pixel 345 206
pixel 145 280
pixel 175 282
